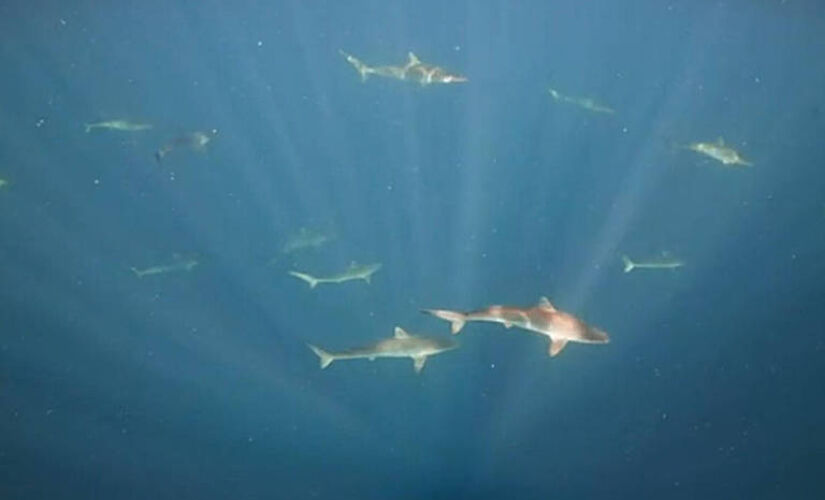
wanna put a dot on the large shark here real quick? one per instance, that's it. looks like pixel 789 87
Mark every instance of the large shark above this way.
pixel 353 272
pixel 401 345
pixel 544 319
pixel 414 70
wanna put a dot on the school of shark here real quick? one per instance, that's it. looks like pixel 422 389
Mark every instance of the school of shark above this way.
pixel 542 318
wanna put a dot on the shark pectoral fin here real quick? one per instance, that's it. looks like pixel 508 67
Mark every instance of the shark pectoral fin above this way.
pixel 368 279
pixel 400 333
pixel 418 363
pixel 556 346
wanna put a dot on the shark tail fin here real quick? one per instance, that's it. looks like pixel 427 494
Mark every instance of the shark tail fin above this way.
pixel 629 265
pixel 362 68
pixel 311 280
pixel 324 357
pixel 456 319
pixel 137 272
pixel 88 127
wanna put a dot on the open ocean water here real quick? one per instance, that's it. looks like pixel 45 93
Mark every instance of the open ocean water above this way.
pixel 189 376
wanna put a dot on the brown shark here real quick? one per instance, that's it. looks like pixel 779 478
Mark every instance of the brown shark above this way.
pixel 543 318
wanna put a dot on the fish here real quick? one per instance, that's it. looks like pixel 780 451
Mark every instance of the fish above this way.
pixel 414 70
pixel 719 152
pixel 195 141
pixel 582 102
pixel 3 183
pixel 560 327
pixel 182 265
pixel 353 272
pixel 400 345
pixel 121 125
pixel 664 262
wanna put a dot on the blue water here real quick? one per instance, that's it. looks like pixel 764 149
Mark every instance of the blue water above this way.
pixel 199 385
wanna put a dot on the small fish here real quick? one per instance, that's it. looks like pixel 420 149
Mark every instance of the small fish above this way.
pixel 661 263
pixel 543 318
pixel 719 152
pixel 121 125
pixel 182 265
pixel 401 345
pixel 353 272
pixel 582 102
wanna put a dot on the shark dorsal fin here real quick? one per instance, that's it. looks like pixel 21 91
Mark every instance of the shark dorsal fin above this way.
pixel 412 59
pixel 400 333
pixel 544 303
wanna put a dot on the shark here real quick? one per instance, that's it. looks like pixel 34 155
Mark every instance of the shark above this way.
pixel 196 141
pixel 400 345
pixel 414 70
pixel 719 152
pixel 582 102
pixel 543 318
pixel 121 125
pixel 353 272
pixel 664 262
pixel 182 265
pixel 306 238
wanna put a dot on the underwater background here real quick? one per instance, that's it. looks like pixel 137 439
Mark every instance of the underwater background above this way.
pixel 199 384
